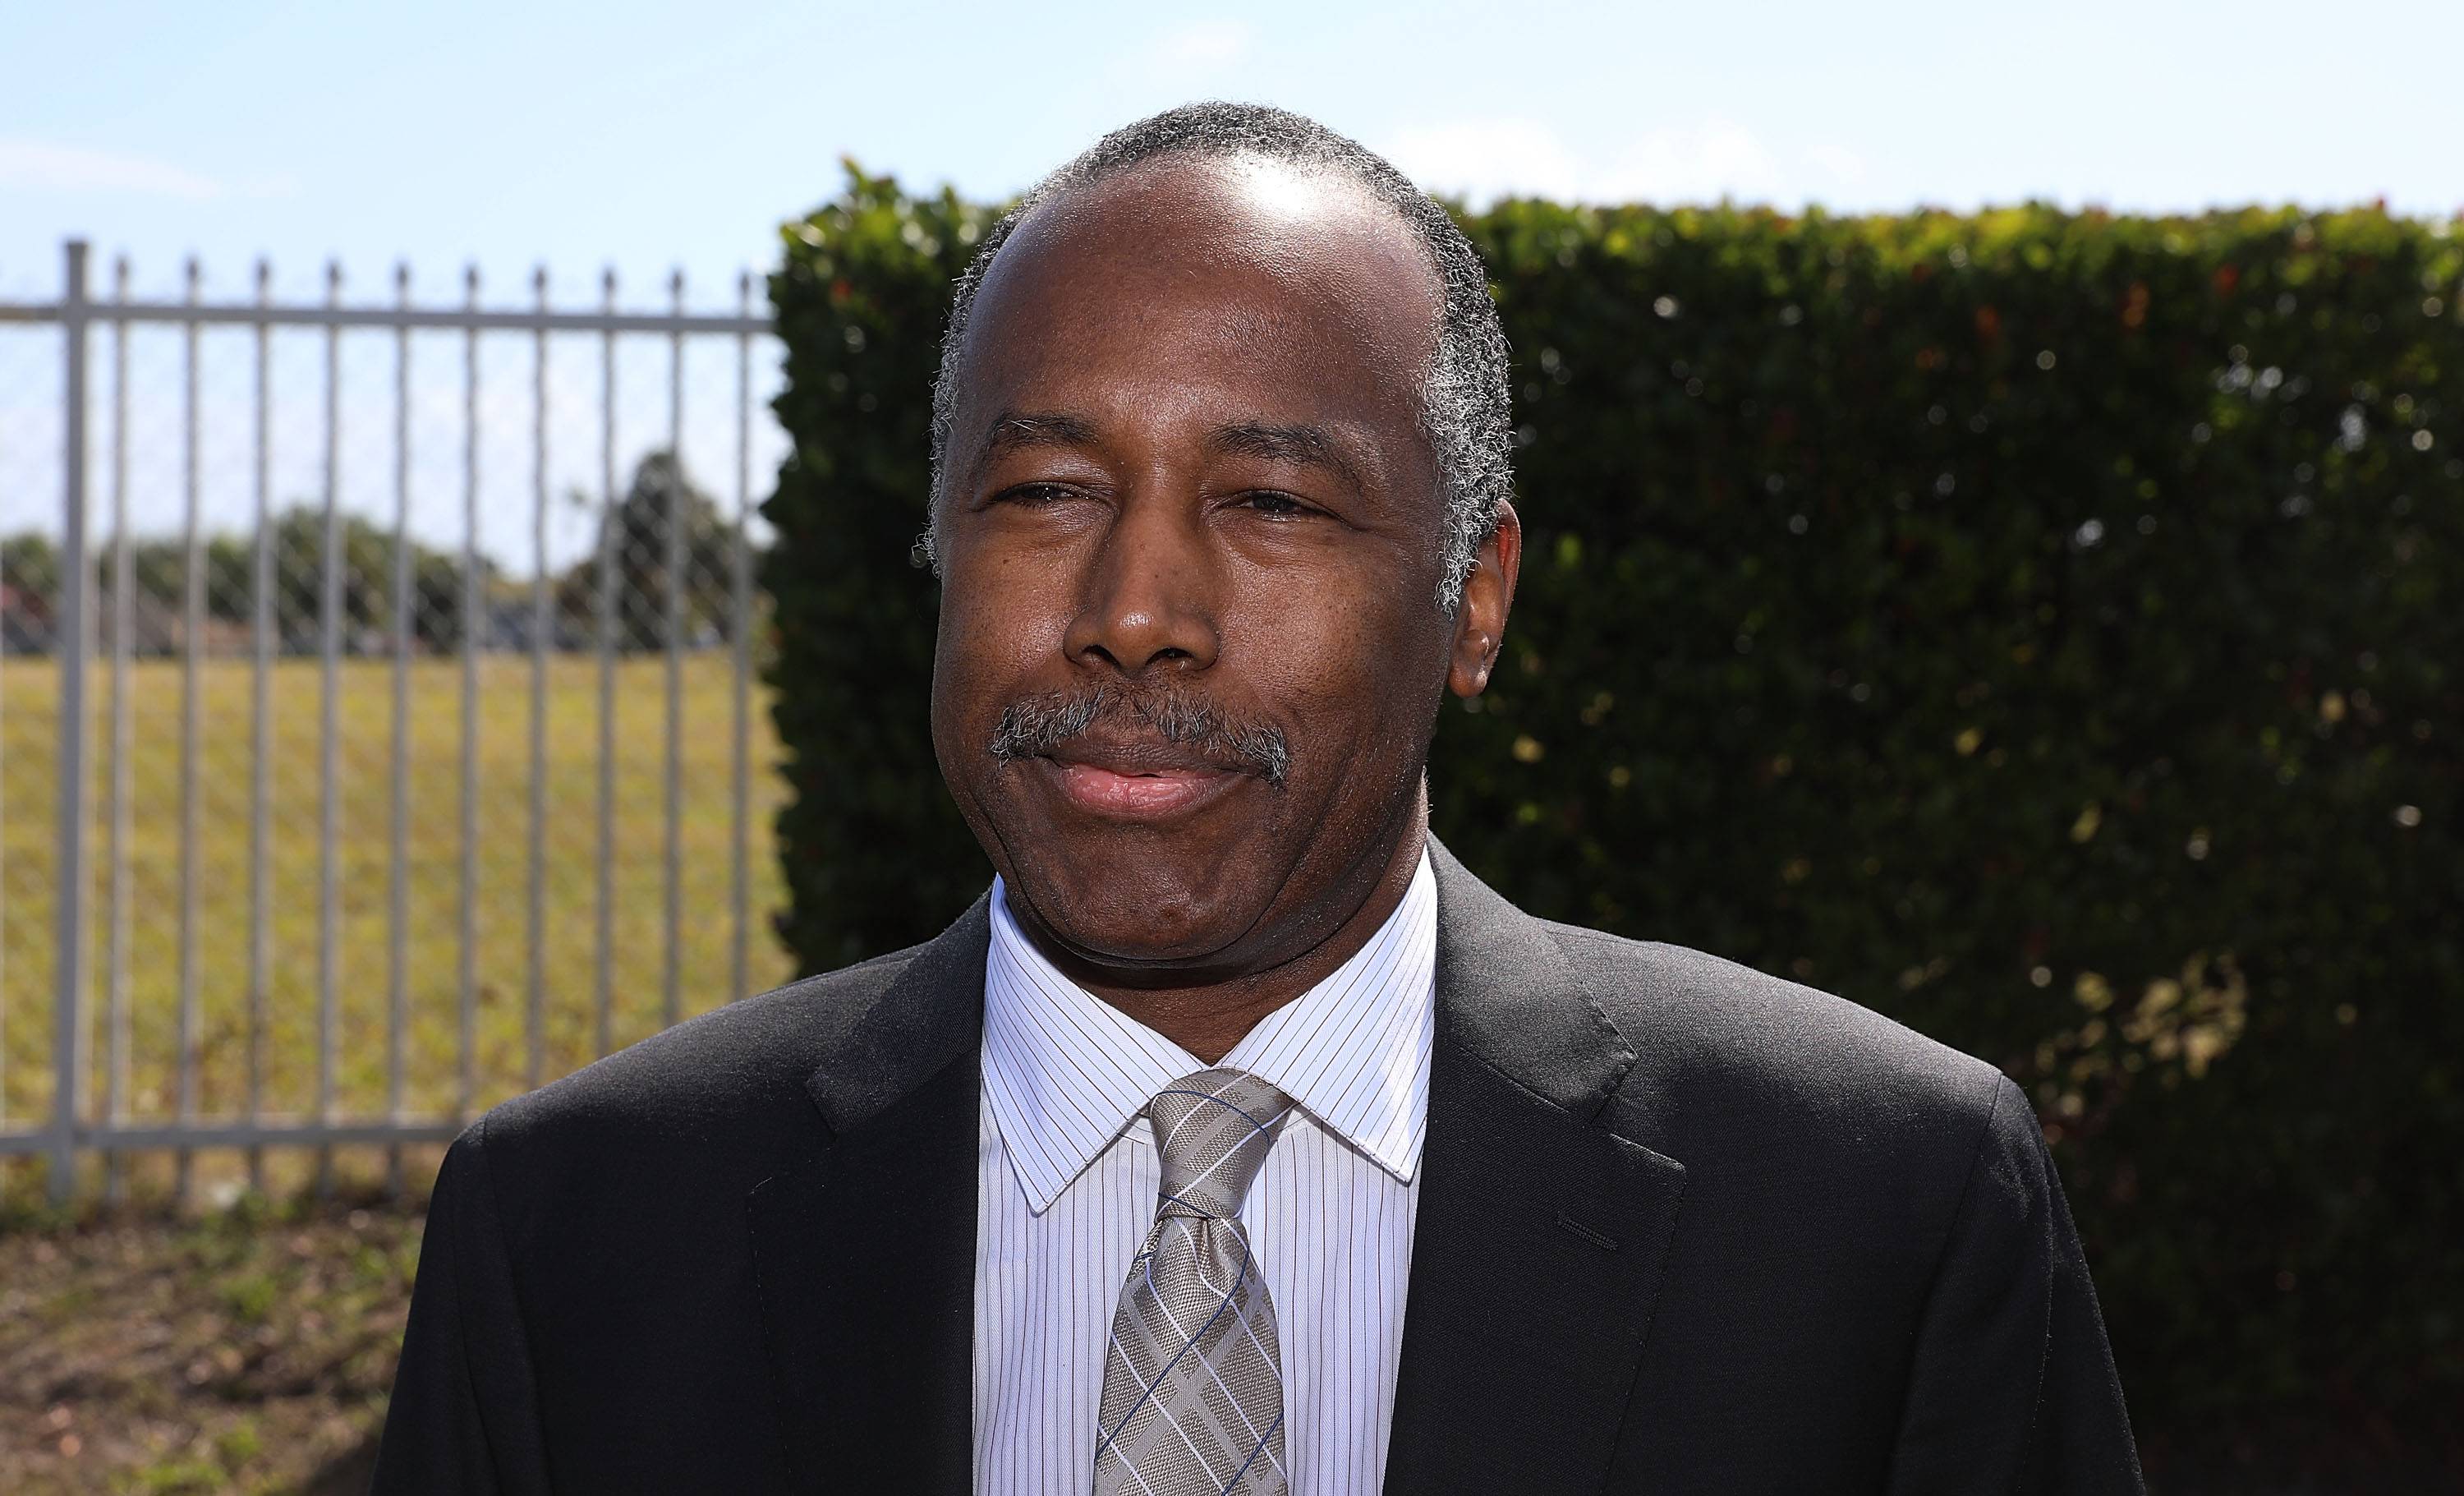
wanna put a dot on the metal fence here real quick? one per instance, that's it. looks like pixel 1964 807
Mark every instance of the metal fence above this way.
pixel 330 780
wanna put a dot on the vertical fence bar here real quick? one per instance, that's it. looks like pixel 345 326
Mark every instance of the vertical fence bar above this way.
pixel 674 569
pixel 122 787
pixel 398 828
pixel 4 857
pixel 467 998
pixel 260 727
pixel 740 594
pixel 75 628
pixel 535 1012
pixel 682 625
pixel 193 630
pixel 329 649
pixel 605 938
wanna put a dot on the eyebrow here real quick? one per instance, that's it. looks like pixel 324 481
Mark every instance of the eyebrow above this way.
pixel 1019 431
pixel 1308 446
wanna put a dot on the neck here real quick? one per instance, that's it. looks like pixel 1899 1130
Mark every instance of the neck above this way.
pixel 1208 1017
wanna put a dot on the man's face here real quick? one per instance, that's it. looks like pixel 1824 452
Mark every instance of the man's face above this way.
pixel 1189 656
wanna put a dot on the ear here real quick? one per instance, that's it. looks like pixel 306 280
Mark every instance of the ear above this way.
pixel 1489 595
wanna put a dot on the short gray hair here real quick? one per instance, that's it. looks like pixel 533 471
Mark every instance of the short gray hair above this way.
pixel 1463 402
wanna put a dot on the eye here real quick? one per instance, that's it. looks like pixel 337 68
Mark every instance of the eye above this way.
pixel 1273 505
pixel 1035 494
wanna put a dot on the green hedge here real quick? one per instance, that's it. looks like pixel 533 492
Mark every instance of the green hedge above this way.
pixel 2042 627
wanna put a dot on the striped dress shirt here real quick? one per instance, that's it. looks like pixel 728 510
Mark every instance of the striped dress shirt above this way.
pixel 1066 1193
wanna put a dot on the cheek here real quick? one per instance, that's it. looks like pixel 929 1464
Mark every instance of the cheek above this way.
pixel 999 622
pixel 1348 665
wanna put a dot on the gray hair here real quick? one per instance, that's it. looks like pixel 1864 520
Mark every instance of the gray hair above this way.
pixel 1463 405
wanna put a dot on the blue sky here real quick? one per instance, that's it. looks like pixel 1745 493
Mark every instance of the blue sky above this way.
pixel 647 136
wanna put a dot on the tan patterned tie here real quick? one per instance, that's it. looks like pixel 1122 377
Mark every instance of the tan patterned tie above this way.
pixel 1193 1378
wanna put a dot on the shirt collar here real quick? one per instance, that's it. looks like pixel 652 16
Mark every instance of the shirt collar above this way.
pixel 1065 1072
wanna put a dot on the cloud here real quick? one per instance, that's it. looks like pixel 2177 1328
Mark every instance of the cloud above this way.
pixel 1693 166
pixel 1484 159
pixel 1840 163
pixel 38 164
pixel 44 166
pixel 1199 47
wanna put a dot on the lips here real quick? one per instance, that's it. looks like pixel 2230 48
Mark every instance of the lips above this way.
pixel 1135 782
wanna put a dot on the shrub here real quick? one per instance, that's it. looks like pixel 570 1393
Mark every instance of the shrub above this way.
pixel 2041 627
pixel 875 855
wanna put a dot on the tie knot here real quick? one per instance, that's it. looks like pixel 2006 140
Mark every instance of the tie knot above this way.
pixel 1213 1130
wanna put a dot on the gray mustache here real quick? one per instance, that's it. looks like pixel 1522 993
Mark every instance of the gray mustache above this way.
pixel 1039 724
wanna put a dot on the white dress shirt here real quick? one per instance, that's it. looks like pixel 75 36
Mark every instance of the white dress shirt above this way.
pixel 1066 1194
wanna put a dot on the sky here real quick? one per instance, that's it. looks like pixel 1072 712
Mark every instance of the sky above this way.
pixel 654 136
pixel 650 137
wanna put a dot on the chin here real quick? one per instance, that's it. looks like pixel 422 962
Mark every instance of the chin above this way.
pixel 1139 909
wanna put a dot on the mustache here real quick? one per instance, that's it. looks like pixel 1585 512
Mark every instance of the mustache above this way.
pixel 1037 725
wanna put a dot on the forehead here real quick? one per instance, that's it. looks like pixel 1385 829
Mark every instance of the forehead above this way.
pixel 1228 282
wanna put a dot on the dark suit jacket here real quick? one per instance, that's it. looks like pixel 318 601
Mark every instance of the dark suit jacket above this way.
pixel 1683 1227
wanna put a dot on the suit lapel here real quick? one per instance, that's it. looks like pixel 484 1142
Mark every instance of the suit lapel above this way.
pixel 1536 1255
pixel 1537 1251
pixel 866 1253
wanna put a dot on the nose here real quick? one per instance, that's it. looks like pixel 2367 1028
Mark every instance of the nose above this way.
pixel 1146 603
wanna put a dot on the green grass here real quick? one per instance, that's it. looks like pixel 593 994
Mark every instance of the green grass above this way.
pixel 150 974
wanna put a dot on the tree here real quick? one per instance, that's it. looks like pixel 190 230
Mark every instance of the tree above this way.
pixel 30 563
pixel 661 493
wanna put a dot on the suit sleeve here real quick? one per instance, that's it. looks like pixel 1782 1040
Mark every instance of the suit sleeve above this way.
pixel 464 1414
pixel 2013 1387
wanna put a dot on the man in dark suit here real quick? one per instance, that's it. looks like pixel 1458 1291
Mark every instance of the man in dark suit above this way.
pixel 1240 1139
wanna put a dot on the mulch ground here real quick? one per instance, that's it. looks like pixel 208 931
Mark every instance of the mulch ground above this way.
pixel 246 1351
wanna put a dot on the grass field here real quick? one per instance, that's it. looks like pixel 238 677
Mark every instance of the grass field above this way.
pixel 150 974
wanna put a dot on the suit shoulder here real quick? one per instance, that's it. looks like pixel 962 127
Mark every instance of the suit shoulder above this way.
pixel 705 1075
pixel 1728 1038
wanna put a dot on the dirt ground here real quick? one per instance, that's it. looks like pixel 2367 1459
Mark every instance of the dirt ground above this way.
pixel 247 1350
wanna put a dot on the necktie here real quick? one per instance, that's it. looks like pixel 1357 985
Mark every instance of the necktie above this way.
pixel 1193 1380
